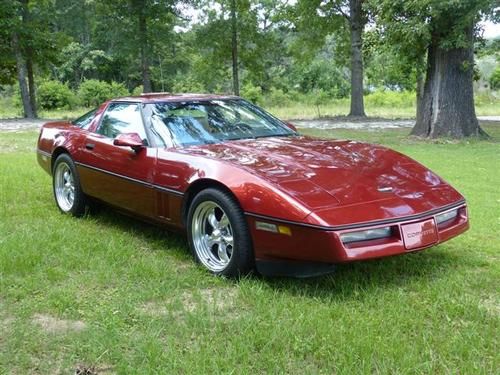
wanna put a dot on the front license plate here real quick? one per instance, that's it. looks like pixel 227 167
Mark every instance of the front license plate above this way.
pixel 419 234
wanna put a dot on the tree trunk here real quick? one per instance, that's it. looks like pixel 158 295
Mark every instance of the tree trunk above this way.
pixel 447 108
pixel 234 48
pixel 356 24
pixel 21 76
pixel 420 89
pixel 31 81
pixel 144 48
pixel 28 53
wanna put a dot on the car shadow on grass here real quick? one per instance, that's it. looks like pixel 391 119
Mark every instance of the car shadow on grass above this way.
pixel 152 235
pixel 362 279
pixel 350 280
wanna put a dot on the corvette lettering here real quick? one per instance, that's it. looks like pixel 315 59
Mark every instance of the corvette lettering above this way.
pixel 421 233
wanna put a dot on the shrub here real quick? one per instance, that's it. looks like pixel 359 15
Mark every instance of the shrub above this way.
pixel 495 79
pixel 277 97
pixel 187 85
pixel 55 95
pixel 138 90
pixel 251 93
pixel 117 90
pixel 93 92
pixel 386 98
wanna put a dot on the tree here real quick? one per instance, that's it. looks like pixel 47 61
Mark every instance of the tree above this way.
pixel 357 21
pixel 234 48
pixel 320 18
pixel 28 43
pixel 130 33
pixel 444 32
pixel 233 40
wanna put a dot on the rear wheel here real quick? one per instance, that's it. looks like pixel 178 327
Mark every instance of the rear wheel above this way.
pixel 66 185
pixel 218 234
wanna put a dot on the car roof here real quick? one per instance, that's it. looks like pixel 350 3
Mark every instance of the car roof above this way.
pixel 156 97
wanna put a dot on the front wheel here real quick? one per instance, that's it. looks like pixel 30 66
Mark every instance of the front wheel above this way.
pixel 66 185
pixel 218 234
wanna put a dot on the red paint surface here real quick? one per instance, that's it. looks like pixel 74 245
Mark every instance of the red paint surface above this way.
pixel 299 179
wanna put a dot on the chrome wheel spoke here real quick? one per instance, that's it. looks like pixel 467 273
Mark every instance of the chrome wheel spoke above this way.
pixel 212 237
pixel 212 220
pixel 224 221
pixel 209 240
pixel 222 252
pixel 64 187
pixel 66 176
pixel 228 239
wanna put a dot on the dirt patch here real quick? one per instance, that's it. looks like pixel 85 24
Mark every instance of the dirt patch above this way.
pixel 211 299
pixel 6 322
pixel 51 324
pixel 491 305
pixel 370 123
pixel 15 125
pixel 83 369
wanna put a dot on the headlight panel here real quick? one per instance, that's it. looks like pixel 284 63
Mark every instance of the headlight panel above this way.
pixel 446 216
pixel 365 235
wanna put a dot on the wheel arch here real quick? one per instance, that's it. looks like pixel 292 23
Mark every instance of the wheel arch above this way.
pixel 55 154
pixel 198 186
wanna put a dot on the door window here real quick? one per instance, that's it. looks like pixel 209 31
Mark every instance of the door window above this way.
pixel 122 118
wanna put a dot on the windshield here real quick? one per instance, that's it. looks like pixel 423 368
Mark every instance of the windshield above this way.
pixel 211 121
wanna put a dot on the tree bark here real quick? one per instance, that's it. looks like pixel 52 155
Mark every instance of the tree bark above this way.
pixel 420 89
pixel 21 76
pixel 234 48
pixel 356 24
pixel 447 108
pixel 31 81
pixel 144 48
pixel 28 53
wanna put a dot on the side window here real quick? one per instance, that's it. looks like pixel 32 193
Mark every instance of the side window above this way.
pixel 84 121
pixel 122 118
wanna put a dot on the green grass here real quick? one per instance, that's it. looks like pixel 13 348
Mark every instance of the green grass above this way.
pixel 110 292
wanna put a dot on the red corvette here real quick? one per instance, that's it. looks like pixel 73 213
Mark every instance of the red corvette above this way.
pixel 249 190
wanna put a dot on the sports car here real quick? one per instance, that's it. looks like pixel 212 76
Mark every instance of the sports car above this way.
pixel 251 193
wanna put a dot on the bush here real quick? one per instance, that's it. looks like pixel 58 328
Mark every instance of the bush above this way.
pixel 93 92
pixel 495 79
pixel 385 98
pixel 55 95
pixel 117 90
pixel 251 93
pixel 187 85
pixel 138 90
pixel 277 97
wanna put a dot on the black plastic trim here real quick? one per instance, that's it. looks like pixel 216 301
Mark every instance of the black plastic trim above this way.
pixel 365 223
pixel 290 268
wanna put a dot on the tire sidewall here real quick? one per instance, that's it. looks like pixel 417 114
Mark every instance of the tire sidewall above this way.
pixel 79 204
pixel 242 259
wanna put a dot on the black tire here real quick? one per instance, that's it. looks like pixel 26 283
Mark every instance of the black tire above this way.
pixel 78 205
pixel 241 259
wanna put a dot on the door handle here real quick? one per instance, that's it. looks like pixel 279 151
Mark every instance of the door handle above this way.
pixel 89 146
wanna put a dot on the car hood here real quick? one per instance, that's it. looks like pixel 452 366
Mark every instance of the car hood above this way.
pixel 324 174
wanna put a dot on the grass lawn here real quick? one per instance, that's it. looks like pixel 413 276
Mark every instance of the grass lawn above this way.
pixel 115 294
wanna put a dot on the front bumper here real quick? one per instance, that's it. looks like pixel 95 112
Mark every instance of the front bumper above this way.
pixel 317 244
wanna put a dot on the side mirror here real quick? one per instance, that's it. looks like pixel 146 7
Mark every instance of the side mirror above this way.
pixel 291 126
pixel 132 140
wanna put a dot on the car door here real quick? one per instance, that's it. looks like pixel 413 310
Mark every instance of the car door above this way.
pixel 114 174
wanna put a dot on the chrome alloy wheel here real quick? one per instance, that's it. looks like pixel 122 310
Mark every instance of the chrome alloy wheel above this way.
pixel 212 236
pixel 64 185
